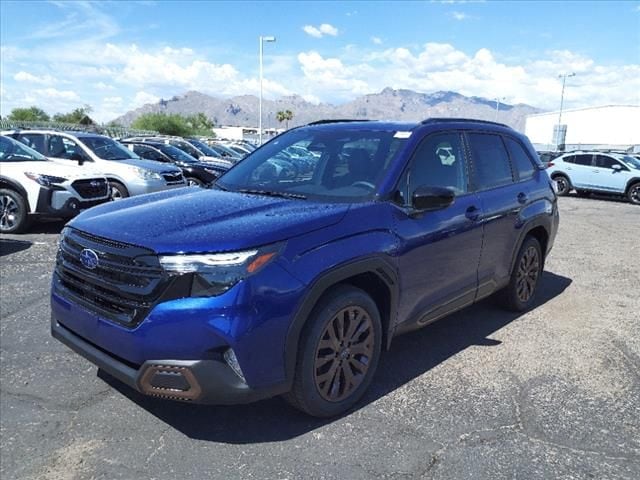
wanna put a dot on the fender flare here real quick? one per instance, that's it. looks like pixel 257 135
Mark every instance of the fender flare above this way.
pixel 378 265
pixel 13 185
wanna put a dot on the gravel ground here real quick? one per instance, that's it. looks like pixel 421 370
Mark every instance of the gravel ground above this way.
pixel 554 393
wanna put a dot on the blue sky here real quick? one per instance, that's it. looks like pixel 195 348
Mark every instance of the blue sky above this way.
pixel 118 55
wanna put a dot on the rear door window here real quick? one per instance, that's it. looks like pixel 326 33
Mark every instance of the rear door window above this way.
pixel 490 161
pixel 33 140
pixel 520 159
pixel 583 159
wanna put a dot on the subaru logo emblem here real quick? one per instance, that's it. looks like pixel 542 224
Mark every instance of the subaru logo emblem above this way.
pixel 89 259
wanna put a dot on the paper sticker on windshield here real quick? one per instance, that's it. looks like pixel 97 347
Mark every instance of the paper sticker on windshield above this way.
pixel 402 135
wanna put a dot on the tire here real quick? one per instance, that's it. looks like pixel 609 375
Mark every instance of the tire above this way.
pixel 583 193
pixel 14 215
pixel 564 185
pixel 118 191
pixel 326 356
pixel 520 294
pixel 194 182
pixel 633 194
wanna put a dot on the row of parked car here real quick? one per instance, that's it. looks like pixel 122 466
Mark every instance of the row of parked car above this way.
pixel 50 173
pixel 595 171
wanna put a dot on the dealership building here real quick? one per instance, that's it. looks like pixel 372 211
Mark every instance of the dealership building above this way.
pixel 606 127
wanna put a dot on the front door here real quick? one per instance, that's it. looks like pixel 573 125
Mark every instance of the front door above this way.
pixel 439 250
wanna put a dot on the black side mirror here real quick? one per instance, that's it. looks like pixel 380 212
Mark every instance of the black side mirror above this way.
pixel 77 157
pixel 432 198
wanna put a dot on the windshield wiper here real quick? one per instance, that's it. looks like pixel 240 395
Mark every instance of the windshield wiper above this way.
pixel 269 193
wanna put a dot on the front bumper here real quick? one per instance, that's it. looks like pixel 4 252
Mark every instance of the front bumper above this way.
pixel 197 381
pixel 62 203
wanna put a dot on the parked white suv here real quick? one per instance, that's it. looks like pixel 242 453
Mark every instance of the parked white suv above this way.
pixel 128 175
pixel 31 185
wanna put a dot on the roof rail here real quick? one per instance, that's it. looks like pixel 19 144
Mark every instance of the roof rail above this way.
pixel 454 119
pixel 338 120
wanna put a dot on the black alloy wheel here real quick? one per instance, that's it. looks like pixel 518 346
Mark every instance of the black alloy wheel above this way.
pixel 634 194
pixel 344 354
pixel 527 274
pixel 519 295
pixel 13 212
pixel 194 182
pixel 563 184
pixel 338 353
pixel 118 191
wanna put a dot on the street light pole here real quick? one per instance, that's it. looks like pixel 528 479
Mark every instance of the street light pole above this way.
pixel 262 40
pixel 564 77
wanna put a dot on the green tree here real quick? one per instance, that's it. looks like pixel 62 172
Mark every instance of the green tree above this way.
pixel 79 115
pixel 200 124
pixel 172 124
pixel 284 116
pixel 31 114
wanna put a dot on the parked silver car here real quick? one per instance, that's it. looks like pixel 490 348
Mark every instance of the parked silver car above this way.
pixel 128 175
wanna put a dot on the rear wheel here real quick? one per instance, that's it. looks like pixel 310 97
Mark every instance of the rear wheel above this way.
pixel 339 353
pixel 118 191
pixel 634 193
pixel 520 294
pixel 564 185
pixel 14 216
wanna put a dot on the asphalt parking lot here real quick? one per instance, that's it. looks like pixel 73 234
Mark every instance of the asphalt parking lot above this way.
pixel 553 393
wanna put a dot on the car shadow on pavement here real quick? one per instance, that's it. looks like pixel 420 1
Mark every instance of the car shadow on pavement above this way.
pixel 47 226
pixel 9 246
pixel 411 355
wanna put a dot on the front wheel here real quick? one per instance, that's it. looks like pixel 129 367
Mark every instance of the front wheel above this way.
pixel 118 191
pixel 13 212
pixel 194 182
pixel 634 194
pixel 520 294
pixel 338 355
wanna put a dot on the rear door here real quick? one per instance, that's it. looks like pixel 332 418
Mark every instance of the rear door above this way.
pixel 580 171
pixel 502 198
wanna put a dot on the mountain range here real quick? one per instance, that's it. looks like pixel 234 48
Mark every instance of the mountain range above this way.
pixel 389 104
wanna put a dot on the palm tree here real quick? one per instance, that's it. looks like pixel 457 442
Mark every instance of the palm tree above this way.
pixel 284 116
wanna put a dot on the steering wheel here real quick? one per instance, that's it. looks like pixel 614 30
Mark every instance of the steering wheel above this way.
pixel 363 183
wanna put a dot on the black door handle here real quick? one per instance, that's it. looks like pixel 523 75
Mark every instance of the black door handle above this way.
pixel 522 198
pixel 472 213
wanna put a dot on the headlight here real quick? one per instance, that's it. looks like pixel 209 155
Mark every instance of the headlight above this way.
pixel 145 174
pixel 45 180
pixel 216 273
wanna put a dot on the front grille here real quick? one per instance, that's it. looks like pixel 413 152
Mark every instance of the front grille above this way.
pixel 93 188
pixel 173 178
pixel 124 286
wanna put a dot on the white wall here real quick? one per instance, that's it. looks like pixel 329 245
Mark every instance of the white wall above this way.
pixel 609 125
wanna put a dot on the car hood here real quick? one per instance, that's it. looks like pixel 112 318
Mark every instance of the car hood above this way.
pixel 157 167
pixel 192 220
pixel 55 169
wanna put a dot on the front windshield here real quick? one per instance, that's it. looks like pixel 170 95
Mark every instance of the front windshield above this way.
pixel 108 149
pixel 324 164
pixel 206 149
pixel 631 161
pixel 186 147
pixel 14 151
pixel 177 154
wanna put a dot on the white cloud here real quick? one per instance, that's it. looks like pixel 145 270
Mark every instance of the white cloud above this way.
pixel 376 40
pixel 27 77
pixel 321 30
pixel 54 94
pixel 144 98
pixel 460 16
pixel 114 101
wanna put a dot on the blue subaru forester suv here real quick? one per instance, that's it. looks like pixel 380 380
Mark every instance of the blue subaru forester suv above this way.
pixel 299 267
